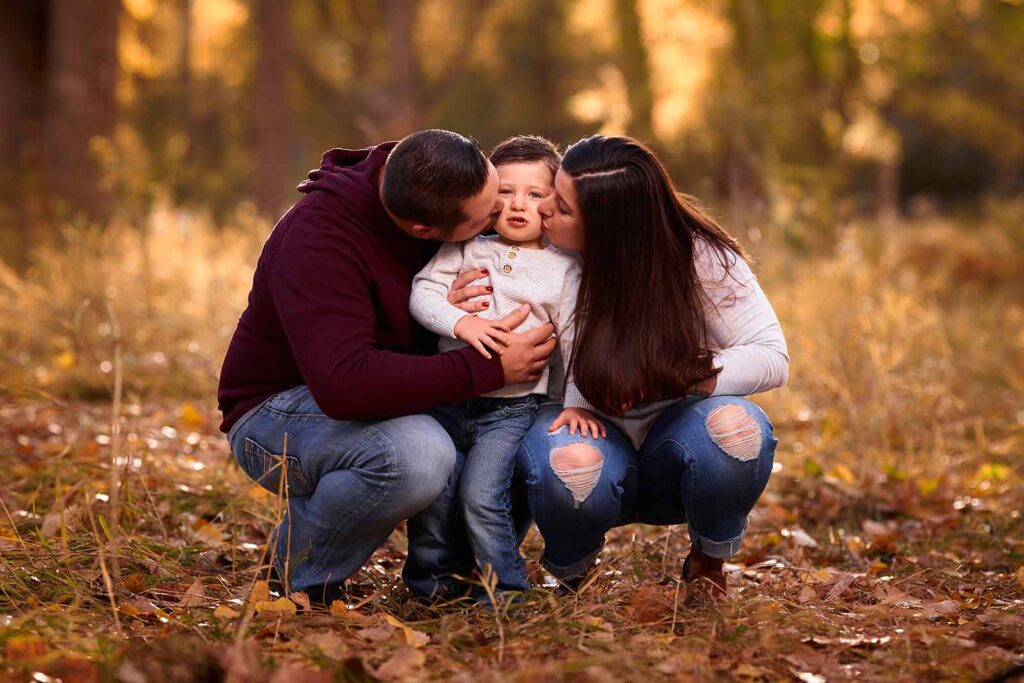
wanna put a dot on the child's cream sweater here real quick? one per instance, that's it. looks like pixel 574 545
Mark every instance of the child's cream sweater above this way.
pixel 546 279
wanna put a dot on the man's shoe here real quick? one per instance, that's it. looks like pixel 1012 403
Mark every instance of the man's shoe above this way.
pixel 319 596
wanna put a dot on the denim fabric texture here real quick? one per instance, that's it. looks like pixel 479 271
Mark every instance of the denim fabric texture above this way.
pixel 680 475
pixel 348 483
pixel 478 509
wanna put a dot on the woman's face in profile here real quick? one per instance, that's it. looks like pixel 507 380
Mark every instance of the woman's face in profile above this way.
pixel 562 222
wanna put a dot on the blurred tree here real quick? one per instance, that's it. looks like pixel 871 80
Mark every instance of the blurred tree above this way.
pixel 271 120
pixel 23 27
pixel 958 96
pixel 80 100
pixel 636 70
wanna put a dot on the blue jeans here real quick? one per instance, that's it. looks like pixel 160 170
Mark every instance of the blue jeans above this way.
pixel 479 503
pixel 349 483
pixel 685 472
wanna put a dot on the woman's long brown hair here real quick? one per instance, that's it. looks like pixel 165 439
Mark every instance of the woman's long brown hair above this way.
pixel 640 333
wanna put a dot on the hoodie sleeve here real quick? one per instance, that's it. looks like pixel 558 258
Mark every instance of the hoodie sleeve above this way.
pixel 324 299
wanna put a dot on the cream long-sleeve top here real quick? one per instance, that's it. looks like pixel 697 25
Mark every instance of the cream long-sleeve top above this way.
pixel 743 333
pixel 547 279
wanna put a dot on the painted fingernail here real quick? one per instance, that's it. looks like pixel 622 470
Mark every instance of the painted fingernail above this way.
pixel 484 271
pixel 486 304
pixel 490 289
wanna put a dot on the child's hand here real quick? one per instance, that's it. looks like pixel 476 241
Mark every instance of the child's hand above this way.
pixel 583 419
pixel 483 333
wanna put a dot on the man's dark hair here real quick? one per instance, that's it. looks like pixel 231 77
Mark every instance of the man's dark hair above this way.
pixel 429 174
pixel 524 148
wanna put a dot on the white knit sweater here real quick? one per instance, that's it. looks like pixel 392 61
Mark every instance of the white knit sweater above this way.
pixel 547 279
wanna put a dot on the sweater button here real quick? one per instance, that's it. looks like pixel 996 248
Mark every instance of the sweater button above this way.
pixel 507 268
pixel 511 254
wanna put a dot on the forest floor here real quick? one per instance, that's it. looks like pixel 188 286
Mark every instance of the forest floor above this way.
pixel 889 544
pixel 840 578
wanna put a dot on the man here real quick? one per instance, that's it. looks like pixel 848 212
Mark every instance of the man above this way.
pixel 327 369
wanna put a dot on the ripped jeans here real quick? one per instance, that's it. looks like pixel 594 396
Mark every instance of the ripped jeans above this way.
pixel 704 463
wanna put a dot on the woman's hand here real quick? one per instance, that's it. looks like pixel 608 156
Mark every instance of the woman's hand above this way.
pixel 460 293
pixel 483 334
pixel 582 419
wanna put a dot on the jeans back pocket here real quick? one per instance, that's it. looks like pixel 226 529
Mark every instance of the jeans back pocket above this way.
pixel 264 468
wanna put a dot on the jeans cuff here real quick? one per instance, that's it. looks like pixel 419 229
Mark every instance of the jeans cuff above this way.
pixel 718 549
pixel 571 571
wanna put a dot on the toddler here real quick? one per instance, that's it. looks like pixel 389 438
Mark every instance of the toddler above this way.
pixel 522 270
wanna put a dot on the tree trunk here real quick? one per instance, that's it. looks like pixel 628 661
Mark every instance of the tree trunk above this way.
pixel 635 69
pixel 80 101
pixel 22 75
pixel 272 182
pixel 402 108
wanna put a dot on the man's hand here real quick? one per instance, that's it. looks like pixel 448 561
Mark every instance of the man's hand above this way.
pixel 527 353
pixel 483 334
pixel 460 293
pixel 578 418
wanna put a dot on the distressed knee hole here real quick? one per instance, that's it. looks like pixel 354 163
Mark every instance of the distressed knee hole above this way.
pixel 578 466
pixel 733 430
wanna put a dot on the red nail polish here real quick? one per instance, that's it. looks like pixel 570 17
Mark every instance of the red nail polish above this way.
pixel 484 271
pixel 490 289
pixel 486 304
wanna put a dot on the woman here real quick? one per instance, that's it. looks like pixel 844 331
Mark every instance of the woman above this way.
pixel 672 328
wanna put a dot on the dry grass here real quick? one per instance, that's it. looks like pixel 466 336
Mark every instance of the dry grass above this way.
pixel 888 545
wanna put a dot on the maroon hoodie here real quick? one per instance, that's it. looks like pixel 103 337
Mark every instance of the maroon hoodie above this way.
pixel 329 308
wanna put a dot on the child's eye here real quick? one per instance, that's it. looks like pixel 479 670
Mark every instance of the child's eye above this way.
pixel 504 191
pixel 536 195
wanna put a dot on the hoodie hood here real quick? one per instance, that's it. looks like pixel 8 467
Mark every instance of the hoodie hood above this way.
pixel 352 176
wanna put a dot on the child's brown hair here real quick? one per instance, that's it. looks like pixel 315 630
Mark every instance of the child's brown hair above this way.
pixel 527 148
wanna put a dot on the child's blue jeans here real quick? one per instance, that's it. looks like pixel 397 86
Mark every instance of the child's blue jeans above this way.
pixel 488 431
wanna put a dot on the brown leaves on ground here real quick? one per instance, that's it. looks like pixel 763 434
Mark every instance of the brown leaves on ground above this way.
pixel 878 575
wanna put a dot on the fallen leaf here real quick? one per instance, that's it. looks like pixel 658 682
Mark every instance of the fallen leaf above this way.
pixel 260 592
pixel 302 600
pixel 412 636
pixel 840 586
pixel 225 612
pixel 190 416
pixel 279 606
pixel 944 608
pixel 807 595
pixel 650 605
pixel 295 673
pixel 358 618
pixel 376 634
pixel 22 648
pixel 135 582
pixel 802 538
pixel 329 643
pixel 404 664
pixel 194 596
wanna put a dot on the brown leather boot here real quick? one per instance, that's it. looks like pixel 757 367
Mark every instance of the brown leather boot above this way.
pixel 705 578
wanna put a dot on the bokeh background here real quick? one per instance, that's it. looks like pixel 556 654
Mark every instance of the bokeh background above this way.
pixel 868 153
